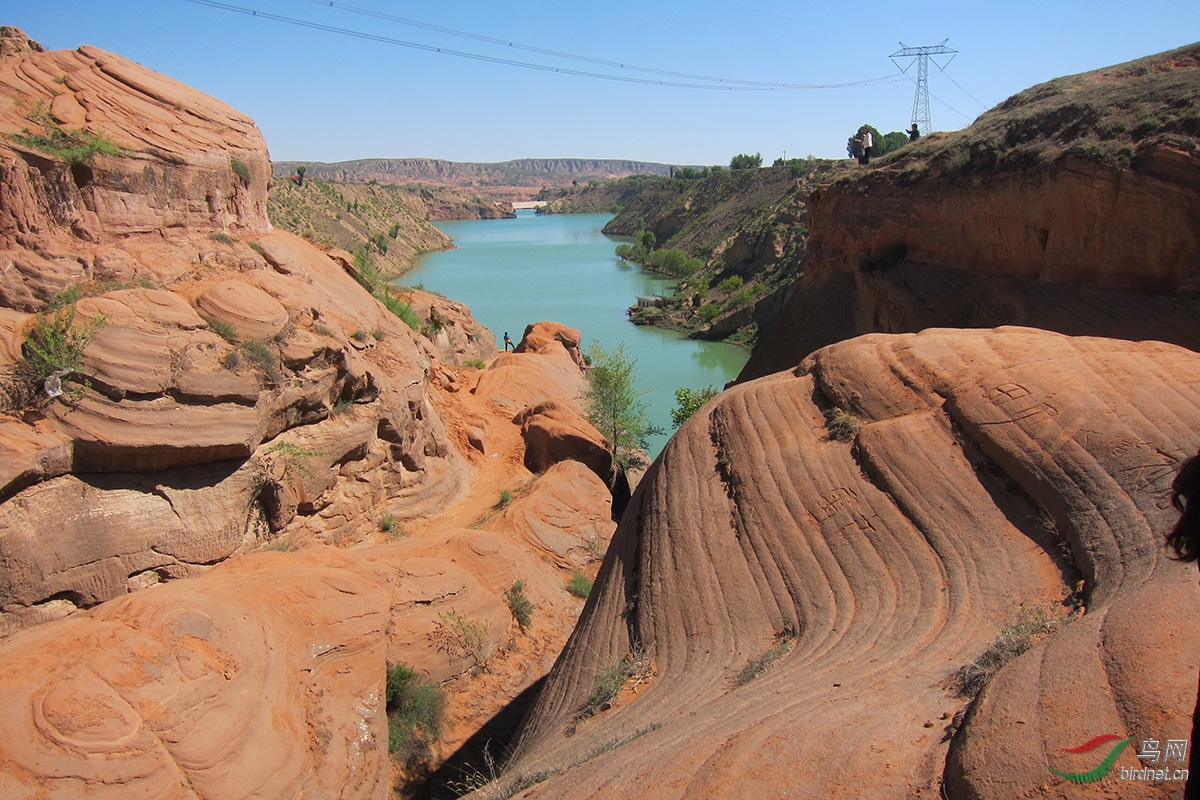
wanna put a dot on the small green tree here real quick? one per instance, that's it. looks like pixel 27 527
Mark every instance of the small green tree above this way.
pixel 687 401
pixel 612 402
pixel 746 161
pixel 647 240
pixel 300 170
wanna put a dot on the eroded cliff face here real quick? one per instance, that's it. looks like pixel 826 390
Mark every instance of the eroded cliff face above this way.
pixel 818 551
pixel 1060 209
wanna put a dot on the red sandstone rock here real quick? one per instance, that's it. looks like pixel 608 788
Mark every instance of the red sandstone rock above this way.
pixel 990 470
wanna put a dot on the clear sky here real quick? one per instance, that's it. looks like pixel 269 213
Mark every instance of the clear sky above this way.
pixel 324 96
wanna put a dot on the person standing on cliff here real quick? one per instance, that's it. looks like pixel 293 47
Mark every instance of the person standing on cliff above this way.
pixel 914 133
pixel 507 343
pixel 1185 541
pixel 867 142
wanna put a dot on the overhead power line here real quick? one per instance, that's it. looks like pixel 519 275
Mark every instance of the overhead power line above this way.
pixel 723 84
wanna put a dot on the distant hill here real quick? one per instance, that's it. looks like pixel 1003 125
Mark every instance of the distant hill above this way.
pixel 509 180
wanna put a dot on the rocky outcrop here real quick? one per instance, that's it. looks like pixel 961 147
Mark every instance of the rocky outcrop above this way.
pixel 782 595
pixel 1072 206
pixel 240 385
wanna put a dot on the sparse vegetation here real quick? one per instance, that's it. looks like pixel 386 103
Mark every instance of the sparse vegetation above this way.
pixel 52 352
pixel 785 640
pixel 579 585
pixel 475 363
pixel 359 336
pixel 634 666
pixel 222 329
pixel 73 147
pixel 1032 625
pixel 461 638
pixel 842 425
pixel 416 713
pixel 506 497
pixel 264 358
pixel 388 522
pixel 223 238
pixel 520 605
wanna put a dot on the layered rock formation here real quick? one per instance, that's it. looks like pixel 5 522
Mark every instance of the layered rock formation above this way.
pixel 240 386
pixel 801 599
pixel 1072 206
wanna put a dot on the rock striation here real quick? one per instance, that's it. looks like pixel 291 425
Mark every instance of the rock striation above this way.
pixel 1072 206
pixel 802 597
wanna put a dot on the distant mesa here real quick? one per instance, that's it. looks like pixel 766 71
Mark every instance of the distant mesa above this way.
pixel 512 180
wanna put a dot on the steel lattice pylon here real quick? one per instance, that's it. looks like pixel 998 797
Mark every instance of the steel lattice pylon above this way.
pixel 920 115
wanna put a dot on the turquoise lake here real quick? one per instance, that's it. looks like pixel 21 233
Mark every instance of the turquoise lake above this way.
pixel 560 267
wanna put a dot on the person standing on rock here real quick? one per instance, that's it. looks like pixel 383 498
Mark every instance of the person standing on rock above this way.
pixel 1185 541
pixel 914 133
pixel 507 343
pixel 866 143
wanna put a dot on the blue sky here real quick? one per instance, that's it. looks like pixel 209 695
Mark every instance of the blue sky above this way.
pixel 323 96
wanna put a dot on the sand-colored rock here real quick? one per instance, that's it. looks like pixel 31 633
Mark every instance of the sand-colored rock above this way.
pixel 556 431
pixel 990 471
pixel 546 366
pixel 251 312
pixel 262 679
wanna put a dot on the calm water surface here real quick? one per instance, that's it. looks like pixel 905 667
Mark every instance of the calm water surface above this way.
pixel 559 267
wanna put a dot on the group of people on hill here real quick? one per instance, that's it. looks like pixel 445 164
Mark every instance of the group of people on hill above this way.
pixel 866 141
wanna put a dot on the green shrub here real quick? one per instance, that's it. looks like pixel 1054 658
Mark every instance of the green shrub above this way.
pixel 231 360
pixel 223 238
pixel 688 401
pixel 708 312
pixel 580 585
pixel 359 336
pixel 475 363
pixel 78 146
pixel 505 498
pixel 241 170
pixel 416 710
pixel 400 308
pixel 54 347
pixel 263 358
pixel 388 523
pixel 519 604
pixel 222 329
pixel 731 284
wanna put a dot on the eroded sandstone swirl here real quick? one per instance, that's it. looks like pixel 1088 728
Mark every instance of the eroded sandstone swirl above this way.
pixel 991 471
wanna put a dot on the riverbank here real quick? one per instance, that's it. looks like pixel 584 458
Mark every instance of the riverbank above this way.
pixel 562 267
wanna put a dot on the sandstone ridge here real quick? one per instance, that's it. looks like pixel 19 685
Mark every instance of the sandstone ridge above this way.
pixel 988 471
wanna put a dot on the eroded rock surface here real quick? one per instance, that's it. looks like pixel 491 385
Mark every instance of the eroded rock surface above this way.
pixel 240 385
pixel 988 471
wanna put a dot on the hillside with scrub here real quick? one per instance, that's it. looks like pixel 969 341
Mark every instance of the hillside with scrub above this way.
pixel 394 224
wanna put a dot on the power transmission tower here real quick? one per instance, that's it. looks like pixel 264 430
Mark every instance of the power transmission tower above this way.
pixel 920 115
